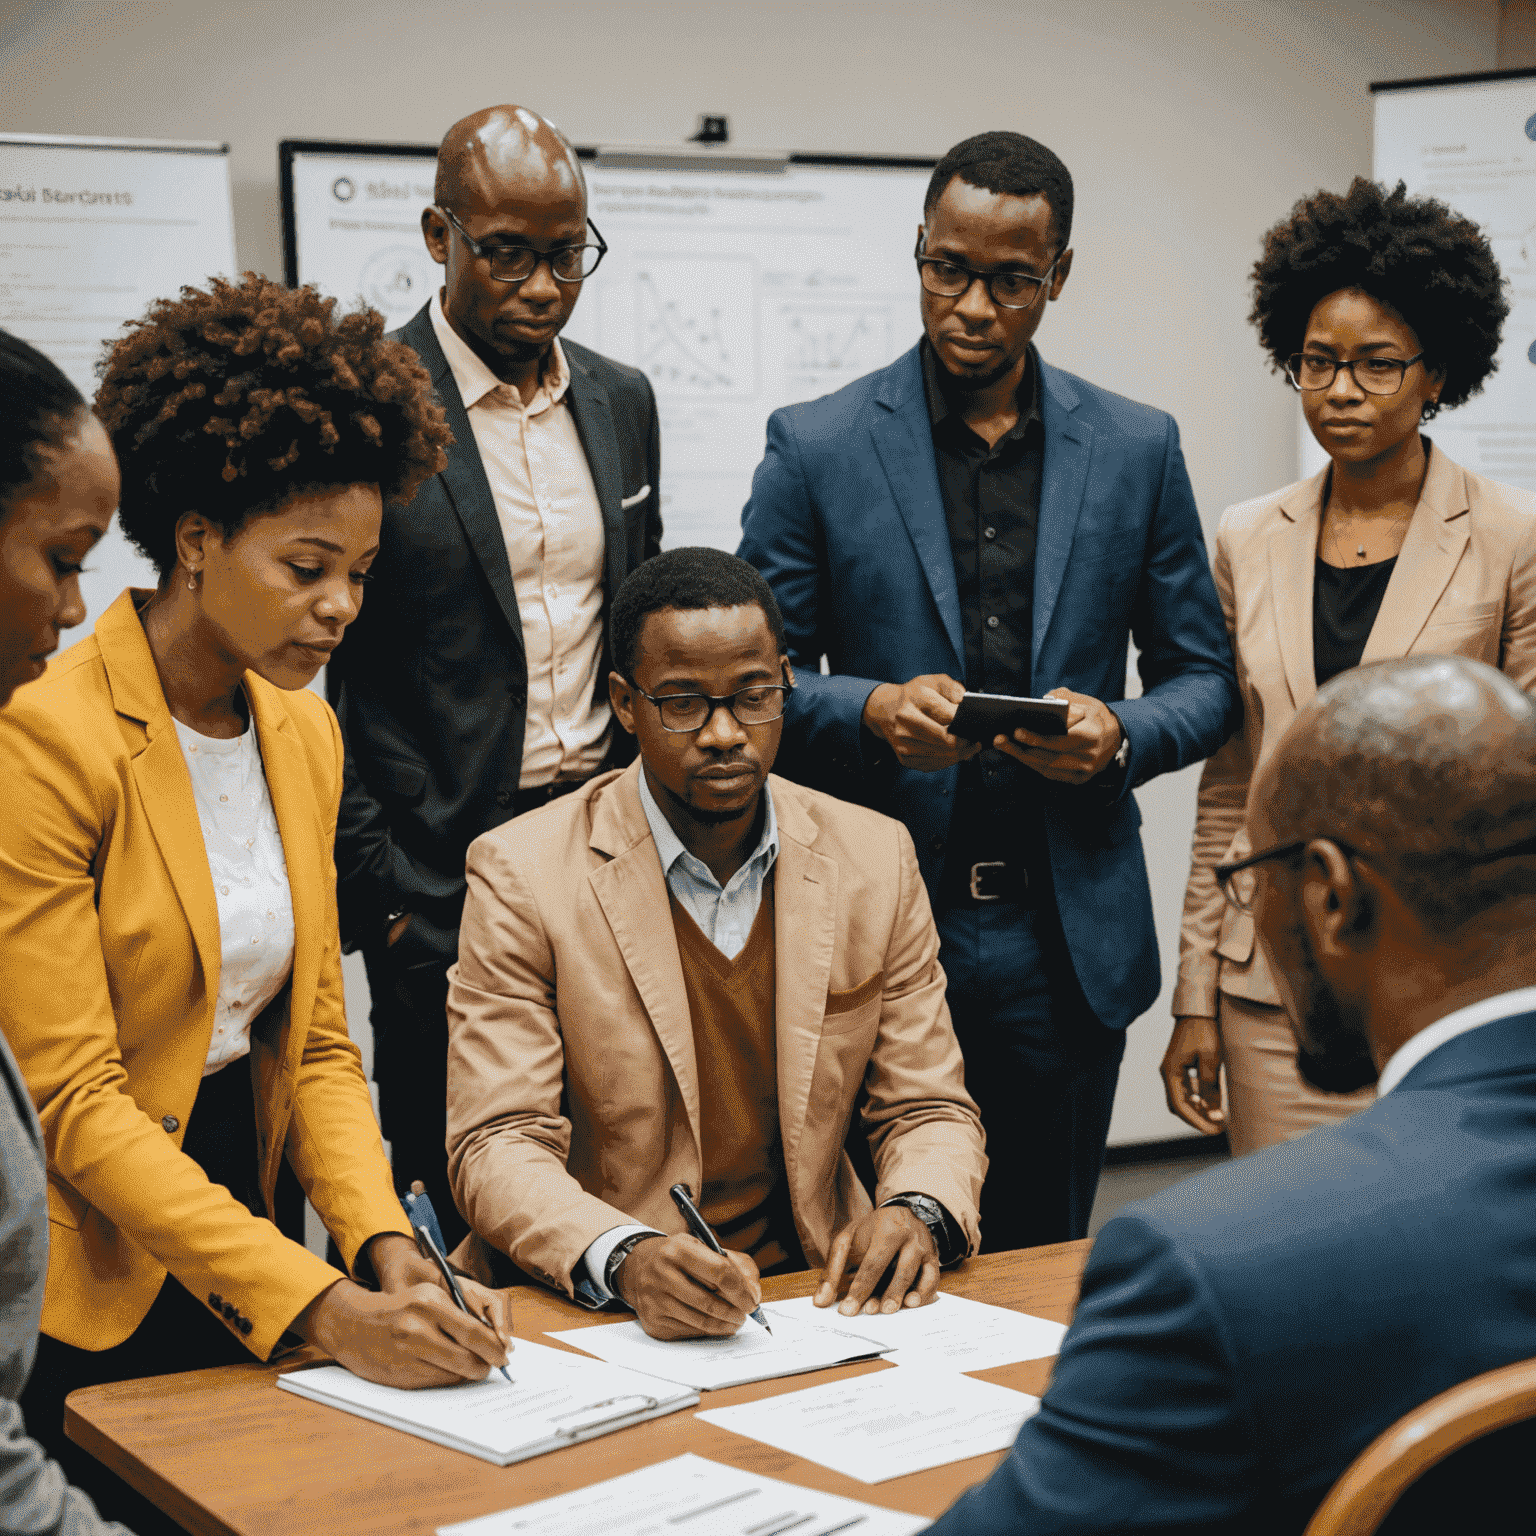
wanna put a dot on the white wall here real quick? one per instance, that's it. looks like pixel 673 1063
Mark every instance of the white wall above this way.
pixel 1189 128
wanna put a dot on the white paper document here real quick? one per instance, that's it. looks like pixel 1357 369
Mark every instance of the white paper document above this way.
pixel 689 1496
pixel 885 1424
pixel 796 1344
pixel 554 1399
pixel 952 1333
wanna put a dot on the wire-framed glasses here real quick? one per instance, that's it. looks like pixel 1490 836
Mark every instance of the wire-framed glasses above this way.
pixel 1009 290
pixel 684 713
pixel 517 263
pixel 1309 371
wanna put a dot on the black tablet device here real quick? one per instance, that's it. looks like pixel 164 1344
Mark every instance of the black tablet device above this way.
pixel 981 716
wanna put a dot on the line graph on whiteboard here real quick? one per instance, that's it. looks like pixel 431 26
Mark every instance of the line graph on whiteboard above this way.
pixel 826 346
pixel 696 327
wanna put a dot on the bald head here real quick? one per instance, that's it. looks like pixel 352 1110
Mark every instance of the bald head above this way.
pixel 503 155
pixel 1428 764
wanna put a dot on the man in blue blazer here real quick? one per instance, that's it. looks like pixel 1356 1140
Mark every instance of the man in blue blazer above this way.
pixel 971 517
pixel 1242 1337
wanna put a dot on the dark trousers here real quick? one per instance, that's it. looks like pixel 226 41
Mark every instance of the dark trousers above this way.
pixel 408 982
pixel 1039 1064
pixel 179 1333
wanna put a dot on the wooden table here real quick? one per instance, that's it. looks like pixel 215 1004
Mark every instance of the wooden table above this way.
pixel 227 1454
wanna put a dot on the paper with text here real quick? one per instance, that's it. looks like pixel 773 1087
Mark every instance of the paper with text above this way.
pixel 952 1333
pixel 689 1496
pixel 796 1344
pixel 885 1424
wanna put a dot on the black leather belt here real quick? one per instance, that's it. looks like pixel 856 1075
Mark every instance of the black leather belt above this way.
pixel 532 799
pixel 985 882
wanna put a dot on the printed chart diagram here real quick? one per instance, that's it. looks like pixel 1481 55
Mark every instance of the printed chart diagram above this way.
pixel 696 326
pixel 827 346
pixel 398 280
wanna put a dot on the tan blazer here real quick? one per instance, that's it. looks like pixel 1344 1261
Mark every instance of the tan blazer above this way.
pixel 573 1094
pixel 1464 585
pixel 109 946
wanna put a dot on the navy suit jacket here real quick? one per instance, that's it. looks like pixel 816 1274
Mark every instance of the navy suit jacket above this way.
pixel 846 520
pixel 1242 1337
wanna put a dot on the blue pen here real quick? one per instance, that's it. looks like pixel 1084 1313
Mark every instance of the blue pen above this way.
pixel 683 1200
pixel 429 1250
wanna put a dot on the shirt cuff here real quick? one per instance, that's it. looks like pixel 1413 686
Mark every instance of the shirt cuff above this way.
pixel 595 1260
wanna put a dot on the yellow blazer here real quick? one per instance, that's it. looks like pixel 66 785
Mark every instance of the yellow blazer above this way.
pixel 109 946
pixel 573 1091
pixel 1464 585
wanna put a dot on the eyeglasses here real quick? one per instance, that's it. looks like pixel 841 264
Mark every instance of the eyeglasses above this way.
pixel 684 713
pixel 1009 290
pixel 517 263
pixel 1308 371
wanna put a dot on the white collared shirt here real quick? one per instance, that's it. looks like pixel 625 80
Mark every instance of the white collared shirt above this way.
pixel 1489 1011
pixel 725 915
pixel 552 524
pixel 250 883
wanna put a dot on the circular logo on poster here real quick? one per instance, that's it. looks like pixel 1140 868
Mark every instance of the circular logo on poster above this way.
pixel 1530 126
pixel 398 280
pixel 1531 352
pixel 343 189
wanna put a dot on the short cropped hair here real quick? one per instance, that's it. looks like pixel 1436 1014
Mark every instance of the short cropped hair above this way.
pixel 1428 264
pixel 689 579
pixel 38 407
pixel 1011 165
pixel 228 401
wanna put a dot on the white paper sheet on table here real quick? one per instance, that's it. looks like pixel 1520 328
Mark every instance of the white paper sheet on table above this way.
pixel 796 1344
pixel 690 1494
pixel 952 1333
pixel 885 1424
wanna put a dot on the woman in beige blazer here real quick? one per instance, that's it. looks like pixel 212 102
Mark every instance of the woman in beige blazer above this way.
pixel 1382 309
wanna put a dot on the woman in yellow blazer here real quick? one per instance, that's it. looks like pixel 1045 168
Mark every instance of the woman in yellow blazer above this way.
pixel 1382 309
pixel 168 927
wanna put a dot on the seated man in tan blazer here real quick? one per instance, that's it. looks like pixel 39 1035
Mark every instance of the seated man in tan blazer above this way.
pixel 684 973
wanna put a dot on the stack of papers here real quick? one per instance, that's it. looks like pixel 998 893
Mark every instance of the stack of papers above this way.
pixel 798 1343
pixel 690 1494
pixel 886 1424
pixel 950 1334
pixel 554 1399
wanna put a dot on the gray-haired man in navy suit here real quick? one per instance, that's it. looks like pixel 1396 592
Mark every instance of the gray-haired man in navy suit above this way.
pixel 475 683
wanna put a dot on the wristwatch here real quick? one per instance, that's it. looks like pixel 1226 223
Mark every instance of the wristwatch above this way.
pixel 932 1215
pixel 617 1257
pixel 1122 757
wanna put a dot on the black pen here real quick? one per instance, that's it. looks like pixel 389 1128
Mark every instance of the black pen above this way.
pixel 700 1229
pixel 429 1250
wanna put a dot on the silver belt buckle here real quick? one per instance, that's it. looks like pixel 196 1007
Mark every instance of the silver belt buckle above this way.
pixel 976 869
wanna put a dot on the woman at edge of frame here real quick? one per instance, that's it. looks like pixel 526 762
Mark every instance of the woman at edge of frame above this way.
pixel 1392 549
pixel 167 888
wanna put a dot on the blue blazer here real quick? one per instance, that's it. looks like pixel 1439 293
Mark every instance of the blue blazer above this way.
pixel 1242 1337
pixel 846 521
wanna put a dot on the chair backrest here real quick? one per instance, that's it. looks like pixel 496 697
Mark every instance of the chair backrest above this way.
pixel 1387 1468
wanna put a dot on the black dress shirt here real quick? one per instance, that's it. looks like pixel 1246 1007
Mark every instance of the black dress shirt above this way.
pixel 1345 602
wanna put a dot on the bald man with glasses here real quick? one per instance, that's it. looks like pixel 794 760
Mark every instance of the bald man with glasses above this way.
pixel 476 686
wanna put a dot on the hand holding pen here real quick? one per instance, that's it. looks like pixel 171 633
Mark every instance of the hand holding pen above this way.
pixel 429 1250
pixel 683 1200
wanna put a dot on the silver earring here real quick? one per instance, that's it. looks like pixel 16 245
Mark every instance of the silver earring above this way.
pixel 191 579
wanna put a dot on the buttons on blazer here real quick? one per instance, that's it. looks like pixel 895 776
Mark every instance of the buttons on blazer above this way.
pixel 215 1301
pixel 503 798
pixel 170 1124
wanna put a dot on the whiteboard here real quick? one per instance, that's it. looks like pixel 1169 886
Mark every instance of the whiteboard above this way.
pixel 91 230
pixel 1472 143
pixel 736 284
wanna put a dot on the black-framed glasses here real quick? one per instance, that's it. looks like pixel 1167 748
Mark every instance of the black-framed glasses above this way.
pixel 1009 290
pixel 1311 371
pixel 684 713
pixel 517 263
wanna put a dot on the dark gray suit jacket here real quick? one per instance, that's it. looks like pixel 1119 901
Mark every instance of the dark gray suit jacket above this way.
pixel 431 683
pixel 33 1494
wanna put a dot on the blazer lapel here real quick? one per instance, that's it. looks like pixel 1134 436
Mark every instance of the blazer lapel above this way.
pixel 161 778
pixel 1292 551
pixel 804 934
pixel 632 892
pixel 594 426
pixel 1063 481
pixel 463 476
pixel 1438 533
pixel 903 439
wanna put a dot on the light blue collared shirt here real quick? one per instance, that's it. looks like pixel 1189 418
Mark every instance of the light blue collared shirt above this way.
pixel 725 914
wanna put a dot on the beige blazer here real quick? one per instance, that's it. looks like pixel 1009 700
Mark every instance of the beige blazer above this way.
pixel 573 1094
pixel 1464 585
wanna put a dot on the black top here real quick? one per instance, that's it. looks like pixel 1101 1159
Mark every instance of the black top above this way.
pixel 1345 602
